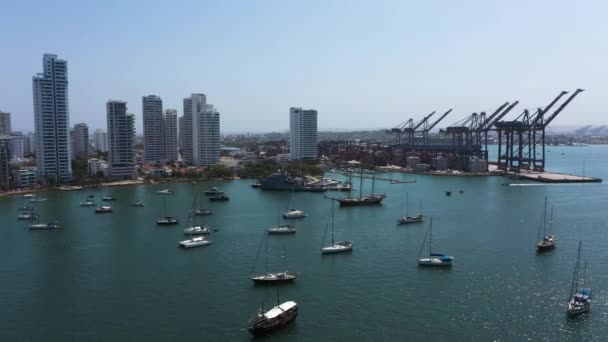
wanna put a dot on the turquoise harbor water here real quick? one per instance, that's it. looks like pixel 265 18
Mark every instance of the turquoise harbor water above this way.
pixel 119 277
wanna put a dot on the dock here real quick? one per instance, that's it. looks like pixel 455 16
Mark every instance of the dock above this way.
pixel 554 177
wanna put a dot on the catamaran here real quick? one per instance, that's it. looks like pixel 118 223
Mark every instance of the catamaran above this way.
pixel 548 241
pixel 409 219
pixel 434 259
pixel 195 242
pixel 264 322
pixel 580 296
pixel 336 246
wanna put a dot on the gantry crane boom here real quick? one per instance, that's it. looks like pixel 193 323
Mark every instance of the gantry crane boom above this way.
pixel 558 110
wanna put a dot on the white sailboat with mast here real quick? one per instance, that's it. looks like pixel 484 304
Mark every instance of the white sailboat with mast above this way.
pixel 409 219
pixel 281 228
pixel 272 277
pixel 548 240
pixel 191 227
pixel 433 259
pixel 580 296
pixel 42 226
pixel 336 246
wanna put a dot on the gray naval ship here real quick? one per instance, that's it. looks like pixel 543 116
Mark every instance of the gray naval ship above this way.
pixel 282 182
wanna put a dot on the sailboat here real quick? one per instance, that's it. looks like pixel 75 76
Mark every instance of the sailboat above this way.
pixel 87 202
pixel 42 226
pixel 580 299
pixel 166 220
pixel 264 322
pixel 293 213
pixel 434 259
pixel 201 211
pixel 362 200
pixel 336 246
pixel 194 229
pixel 409 219
pixel 281 228
pixel 272 277
pixel 548 241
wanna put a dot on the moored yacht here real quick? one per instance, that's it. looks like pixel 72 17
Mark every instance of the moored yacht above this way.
pixel 294 214
pixel 336 246
pixel 87 203
pixel 164 192
pixel 166 220
pixel 277 317
pixel 433 259
pixel 195 242
pixel 42 226
pixel 103 210
pixel 274 277
pixel 201 212
pixel 410 219
pixel 282 229
pixel 108 198
pixel 137 204
pixel 580 295
pixel 197 230
pixel 25 216
pixel 213 192
pixel 548 240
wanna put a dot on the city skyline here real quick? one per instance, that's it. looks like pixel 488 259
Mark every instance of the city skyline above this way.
pixel 400 67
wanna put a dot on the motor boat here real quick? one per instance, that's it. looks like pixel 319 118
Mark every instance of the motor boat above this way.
pixel 197 230
pixel 285 229
pixel 103 210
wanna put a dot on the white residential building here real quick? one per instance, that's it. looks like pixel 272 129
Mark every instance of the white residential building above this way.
pixel 29 143
pixel 201 132
pixel 121 136
pixel 169 135
pixel 101 140
pixel 17 146
pixel 302 133
pixel 96 165
pixel 152 112
pixel 5 123
pixel 51 114
pixel 80 140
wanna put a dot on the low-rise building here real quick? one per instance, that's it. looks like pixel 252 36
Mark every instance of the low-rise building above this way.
pixel 96 165
pixel 440 163
pixel 412 161
pixel 478 165
pixel 25 177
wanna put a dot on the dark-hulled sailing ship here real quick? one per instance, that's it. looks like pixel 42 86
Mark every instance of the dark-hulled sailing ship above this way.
pixel 264 322
pixel 361 200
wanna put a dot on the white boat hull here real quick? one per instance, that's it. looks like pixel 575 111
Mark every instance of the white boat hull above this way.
pixel 192 244
pixel 197 231
pixel 336 249
pixel 42 226
pixel 434 262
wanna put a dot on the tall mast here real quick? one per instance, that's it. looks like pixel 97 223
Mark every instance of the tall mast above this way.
pixel 407 204
pixel 545 219
pixel 575 275
pixel 332 222
pixel 266 253
pixel 360 182
pixel 373 181
pixel 431 237
pixel 551 221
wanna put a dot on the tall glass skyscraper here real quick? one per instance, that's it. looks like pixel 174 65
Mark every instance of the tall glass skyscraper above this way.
pixel 51 116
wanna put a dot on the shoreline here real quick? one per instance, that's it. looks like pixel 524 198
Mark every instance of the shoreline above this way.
pixel 109 185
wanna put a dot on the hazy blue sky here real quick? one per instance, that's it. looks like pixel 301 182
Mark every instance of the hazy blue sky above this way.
pixel 360 64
